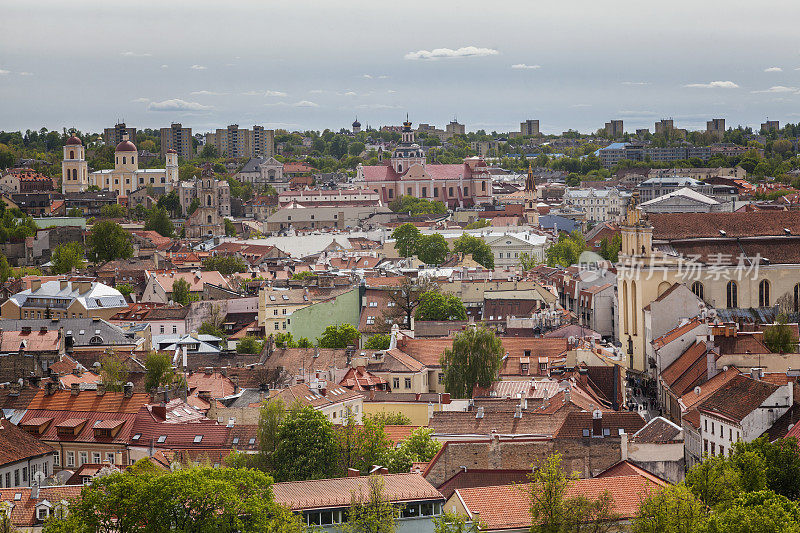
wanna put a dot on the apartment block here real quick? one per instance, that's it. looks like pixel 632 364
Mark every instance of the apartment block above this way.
pixel 177 138
pixel 716 127
pixel 238 142
pixel 664 125
pixel 771 125
pixel 454 128
pixel 614 129
pixel 529 127
pixel 114 136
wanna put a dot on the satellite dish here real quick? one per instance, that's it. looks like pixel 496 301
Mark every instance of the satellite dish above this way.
pixel 38 478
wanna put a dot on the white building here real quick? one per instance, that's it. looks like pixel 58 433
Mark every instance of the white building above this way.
pixel 26 459
pixel 600 205
pixel 683 200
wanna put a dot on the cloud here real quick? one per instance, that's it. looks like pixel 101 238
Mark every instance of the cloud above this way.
pixel 280 94
pixel 636 83
pixel 377 106
pixel 141 100
pixel 26 73
pixel 523 66
pixel 164 66
pixel 316 91
pixel 4 72
pixel 350 93
pixel 439 53
pixel 773 69
pixel 136 54
pixel 198 67
pixel 304 103
pixel 367 76
pixel 778 89
pixel 176 104
pixel 713 85
pixel 206 93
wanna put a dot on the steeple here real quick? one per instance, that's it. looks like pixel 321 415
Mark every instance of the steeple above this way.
pixel 530 182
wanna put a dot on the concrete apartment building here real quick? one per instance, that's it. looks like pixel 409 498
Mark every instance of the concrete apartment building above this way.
pixel 771 125
pixel 716 127
pixel 177 138
pixel 614 129
pixel 664 125
pixel 454 128
pixel 529 127
pixel 114 136
pixel 236 142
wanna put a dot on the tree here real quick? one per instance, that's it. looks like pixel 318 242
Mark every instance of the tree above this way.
pixel 361 446
pixel 674 509
pixel 171 203
pixel 527 262
pixel 158 371
pixel 195 499
pixel 67 257
pixel 478 224
pixel 451 522
pixel 610 249
pixel 433 305
pixel 113 373
pixel 475 359
pixel 406 298
pixel 108 241
pixel 193 205
pixel 417 206
pixel 225 264
pixel 307 447
pixel 378 342
pixel 406 239
pixel 158 221
pixel 74 212
pixel 432 249
pixel 567 250
pixel 249 345
pixel 779 337
pixel 306 274
pixel 777 470
pixel 390 418
pixel 339 336
pixel 7 156
pixel 371 513
pixel 763 511
pixel 552 511
pixel 112 211
pixel 181 292
pixel 210 327
pixel 209 151
pixel 476 247
pixel 418 447
pixel 714 481
pixel 230 228
pixel 126 289
pixel 5 269
pixel 270 418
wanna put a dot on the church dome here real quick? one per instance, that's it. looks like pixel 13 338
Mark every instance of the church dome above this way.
pixel 356 124
pixel 74 140
pixel 126 146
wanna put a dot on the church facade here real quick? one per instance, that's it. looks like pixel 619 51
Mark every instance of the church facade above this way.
pixel 408 173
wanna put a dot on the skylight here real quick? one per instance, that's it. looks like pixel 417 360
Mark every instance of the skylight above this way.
pixel 162 439
pixel 198 438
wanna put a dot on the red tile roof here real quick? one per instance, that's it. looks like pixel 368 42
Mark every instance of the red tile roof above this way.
pixel 704 225
pixel 737 398
pixel 18 445
pixel 179 435
pixel 110 402
pixel 688 370
pixel 34 341
pixel 482 478
pixel 577 422
pixel 428 351
pixel 23 513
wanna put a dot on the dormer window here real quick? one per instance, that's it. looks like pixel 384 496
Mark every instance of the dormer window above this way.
pixel 162 439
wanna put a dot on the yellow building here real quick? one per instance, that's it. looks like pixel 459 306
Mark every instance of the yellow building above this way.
pixel 74 169
pixel 275 307
pixel 729 260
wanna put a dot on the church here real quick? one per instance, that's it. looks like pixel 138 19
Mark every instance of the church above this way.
pixel 125 177
pixel 407 173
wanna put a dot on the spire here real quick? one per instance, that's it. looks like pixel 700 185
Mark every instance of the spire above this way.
pixel 530 182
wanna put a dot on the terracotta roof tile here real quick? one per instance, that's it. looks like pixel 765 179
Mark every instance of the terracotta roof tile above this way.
pixel 482 478
pixel 737 398
pixel 576 424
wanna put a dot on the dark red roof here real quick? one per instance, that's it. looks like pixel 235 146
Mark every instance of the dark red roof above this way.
pixel 737 398
pixel 481 478
pixel 126 146
pixel 171 151
pixel 74 140
pixel 178 435
pixel 577 423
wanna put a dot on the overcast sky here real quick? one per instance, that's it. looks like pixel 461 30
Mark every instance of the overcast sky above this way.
pixel 315 64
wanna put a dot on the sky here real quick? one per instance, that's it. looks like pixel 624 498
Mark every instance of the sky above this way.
pixel 316 64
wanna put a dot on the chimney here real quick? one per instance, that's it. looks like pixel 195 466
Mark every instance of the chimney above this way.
pixel 711 361
pixel 379 470
pixel 518 411
pixel 566 395
pixel 64 284
pixel 479 412
pixel 35 490
pixel 353 472
pixel 36 284
pixel 75 389
pixel 160 411
pixel 597 423
pixel 128 390
pixel 101 389
pixel 757 373
pixel 445 398
pixel 235 381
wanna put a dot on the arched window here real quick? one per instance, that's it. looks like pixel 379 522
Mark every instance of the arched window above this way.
pixel 400 167
pixel 763 293
pixel 133 160
pixel 625 319
pixel 698 290
pixel 72 154
pixel 75 173
pixel 209 219
pixel 663 287
pixel 123 159
pixel 732 294
pixel 208 200
pixel 96 340
pixel 634 312
pixel 796 299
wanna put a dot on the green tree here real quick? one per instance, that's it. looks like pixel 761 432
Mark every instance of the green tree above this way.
pixel 225 264
pixel 7 156
pixel 306 274
pixel 74 212
pixel 361 446
pixel 714 481
pixel 158 221
pixel 5 269
pixel 406 297
pixel 191 500
pixel 433 305
pixel 270 418
pixel 610 249
pixel 339 336
pixel 249 345
pixel 474 359
pixel 527 262
pixel 779 466
pixel 762 512
pixel 566 251
pixel 371 512
pixel 378 342
pixel 478 224
pixel 476 247
pixel 193 205
pixel 674 509
pixel 451 522
pixel 406 239
pixel 112 211
pixel 432 249
pixel 418 447
pixel 230 228
pixel 390 418
pixel 125 288
pixel 181 292
pixel 307 446
pixel 158 371
pixel 209 151
pixel 108 241
pixel 67 257
pixel 210 327
pixel 171 203
pixel 779 337
pixel 417 206
pixel 552 511
pixel 113 373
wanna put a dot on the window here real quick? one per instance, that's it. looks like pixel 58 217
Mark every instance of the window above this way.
pixel 162 439
pixel 83 458
pixel 70 459
pixel 162 328
pixel 408 383
pixel 796 299
pixel 198 439
pixel 732 293
pixel 174 329
pixel 466 191
pixel 483 186
pixel 698 289
pixel 56 461
pixel 441 378
pixel 424 192
pixel 450 191
pixel 96 457
pixel 42 513
pixel 110 458
pixel 24 474
pixel 763 293
pixel 524 368
pixel 396 383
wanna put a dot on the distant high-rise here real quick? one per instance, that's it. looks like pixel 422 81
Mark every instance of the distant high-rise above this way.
pixel 177 138
pixel 235 142
pixel 614 129
pixel 529 127
pixel 771 125
pixel 716 127
pixel 454 128
pixel 664 125
pixel 114 136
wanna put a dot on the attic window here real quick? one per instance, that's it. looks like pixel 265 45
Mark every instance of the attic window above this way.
pixel 272 297
pixel 585 432
pixel 252 441
pixel 136 437
pixel 198 439
pixel 236 440
pixel 285 297
pixel 97 339
pixel 162 439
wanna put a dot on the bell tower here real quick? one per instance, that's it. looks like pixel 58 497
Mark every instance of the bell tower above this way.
pixel 637 233
pixel 74 168
pixel 531 198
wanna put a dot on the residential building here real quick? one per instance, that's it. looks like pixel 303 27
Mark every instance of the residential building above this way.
pixel 64 298
pixel 616 152
pixel 24 460
pixel 160 283
pixel 454 128
pixel 235 142
pixel 117 134
pixel 664 126
pixel 299 217
pixel 771 125
pixel 716 127
pixel 337 403
pixel 701 173
pixel 683 200
pixel 25 182
pixel 614 129
pixel 408 173
pixel 179 139
pixel 659 186
pixel 529 127
pixel 188 345
pixel 600 205
pixel 326 198
pixel 324 503
pixel 275 306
